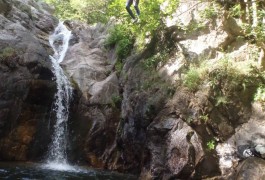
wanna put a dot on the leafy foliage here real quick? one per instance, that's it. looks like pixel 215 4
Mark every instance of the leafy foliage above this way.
pixel 211 11
pixel 150 17
pixel 260 94
pixel 118 66
pixel 250 30
pixel 116 101
pixel 204 118
pixel 225 81
pixel 7 52
pixel 236 11
pixel 211 144
pixel 90 11
pixel 153 61
pixel 192 79
pixel 257 32
pixel 221 100
pixel 122 38
pixel 93 11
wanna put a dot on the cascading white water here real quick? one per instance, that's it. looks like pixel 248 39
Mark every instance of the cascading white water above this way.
pixel 57 157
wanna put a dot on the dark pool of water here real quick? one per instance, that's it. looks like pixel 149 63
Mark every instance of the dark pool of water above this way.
pixel 30 171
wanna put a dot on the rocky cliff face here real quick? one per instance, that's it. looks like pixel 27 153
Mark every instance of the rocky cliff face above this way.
pixel 95 114
pixel 139 120
pixel 26 86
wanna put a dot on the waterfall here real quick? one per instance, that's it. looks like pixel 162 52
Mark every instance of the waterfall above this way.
pixel 57 157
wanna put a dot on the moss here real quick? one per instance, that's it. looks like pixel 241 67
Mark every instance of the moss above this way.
pixel 9 57
pixel 116 101
pixel 23 7
pixel 7 52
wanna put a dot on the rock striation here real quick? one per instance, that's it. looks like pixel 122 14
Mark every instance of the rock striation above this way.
pixel 138 121
pixel 26 85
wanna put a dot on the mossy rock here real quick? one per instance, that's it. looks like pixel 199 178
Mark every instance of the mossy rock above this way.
pixel 5 7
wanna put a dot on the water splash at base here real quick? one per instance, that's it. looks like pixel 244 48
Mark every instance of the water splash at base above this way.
pixel 57 155
pixel 63 167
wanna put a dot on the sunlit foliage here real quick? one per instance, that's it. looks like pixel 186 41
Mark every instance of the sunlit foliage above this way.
pixel 90 11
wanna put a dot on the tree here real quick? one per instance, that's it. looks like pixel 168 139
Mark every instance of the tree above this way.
pixel 252 14
pixel 90 11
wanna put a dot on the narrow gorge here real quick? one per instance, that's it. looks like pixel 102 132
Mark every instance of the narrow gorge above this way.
pixel 179 107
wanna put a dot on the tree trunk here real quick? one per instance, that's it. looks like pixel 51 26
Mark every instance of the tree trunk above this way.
pixel 262 6
pixel 254 13
pixel 243 7
pixel 262 59
pixel 248 16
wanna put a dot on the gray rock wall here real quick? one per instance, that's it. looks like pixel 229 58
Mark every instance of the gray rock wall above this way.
pixel 140 121
pixel 26 86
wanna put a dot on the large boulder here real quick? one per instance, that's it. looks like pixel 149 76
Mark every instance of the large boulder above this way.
pixel 252 168
pixel 175 148
pixel 96 108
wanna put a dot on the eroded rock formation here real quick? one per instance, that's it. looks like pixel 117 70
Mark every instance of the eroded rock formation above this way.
pixel 26 86
pixel 137 121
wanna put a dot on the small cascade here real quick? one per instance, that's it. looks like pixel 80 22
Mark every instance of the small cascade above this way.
pixel 57 157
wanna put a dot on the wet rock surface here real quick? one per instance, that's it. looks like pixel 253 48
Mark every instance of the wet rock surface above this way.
pixel 95 115
pixel 26 86
pixel 252 168
pixel 134 121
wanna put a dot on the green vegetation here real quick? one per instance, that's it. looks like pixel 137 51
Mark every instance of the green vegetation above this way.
pixel 116 101
pixel 89 11
pixel 252 19
pixel 235 11
pixel 192 79
pixel 9 57
pixel 153 61
pixel 222 77
pixel 92 11
pixel 122 38
pixel 260 94
pixel 211 11
pixel 150 19
pixel 226 80
pixel 221 100
pixel 211 144
pixel 204 118
pixel 118 66
pixel 7 52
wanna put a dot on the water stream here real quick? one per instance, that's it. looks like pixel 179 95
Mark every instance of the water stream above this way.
pixel 57 156
pixel 57 166
pixel 34 171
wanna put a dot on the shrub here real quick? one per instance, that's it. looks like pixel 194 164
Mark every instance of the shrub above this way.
pixel 116 101
pixel 204 118
pixel 118 67
pixel 122 38
pixel 192 79
pixel 7 52
pixel 221 100
pixel 211 144
pixel 260 94
pixel 210 12
pixel 9 57
pixel 153 61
